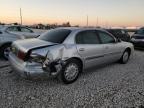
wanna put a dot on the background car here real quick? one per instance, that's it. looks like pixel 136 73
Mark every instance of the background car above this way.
pixel 120 34
pixel 138 38
pixel 10 33
pixel 65 52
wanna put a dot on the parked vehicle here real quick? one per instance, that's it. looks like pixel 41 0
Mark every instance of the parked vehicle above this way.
pixel 138 38
pixel 120 34
pixel 10 33
pixel 65 52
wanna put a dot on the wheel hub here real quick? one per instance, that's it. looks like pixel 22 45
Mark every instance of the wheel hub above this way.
pixel 6 52
pixel 71 71
pixel 125 56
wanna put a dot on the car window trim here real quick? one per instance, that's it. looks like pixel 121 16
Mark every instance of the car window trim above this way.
pixel 108 34
pixel 30 31
pixel 86 31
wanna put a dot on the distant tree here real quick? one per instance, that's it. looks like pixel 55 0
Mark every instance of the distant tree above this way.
pixel 67 24
pixel 76 26
pixel 15 23
pixel 41 26
pixel 2 23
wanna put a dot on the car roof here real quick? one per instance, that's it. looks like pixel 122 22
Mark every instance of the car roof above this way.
pixel 80 28
pixel 14 26
pixel 4 27
pixel 115 29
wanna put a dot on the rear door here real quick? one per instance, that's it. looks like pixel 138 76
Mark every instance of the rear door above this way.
pixel 112 49
pixel 11 34
pixel 89 47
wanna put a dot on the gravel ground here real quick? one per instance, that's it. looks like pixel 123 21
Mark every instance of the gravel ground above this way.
pixel 111 86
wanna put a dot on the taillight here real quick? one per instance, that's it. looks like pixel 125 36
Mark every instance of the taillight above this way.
pixel 21 55
pixel 37 58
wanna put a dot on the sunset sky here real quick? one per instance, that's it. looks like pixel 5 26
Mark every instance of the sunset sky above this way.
pixel 108 12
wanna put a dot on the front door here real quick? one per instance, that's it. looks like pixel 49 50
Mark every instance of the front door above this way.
pixel 89 47
pixel 111 50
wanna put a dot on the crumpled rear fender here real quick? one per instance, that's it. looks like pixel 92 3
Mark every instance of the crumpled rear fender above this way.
pixel 63 52
pixel 56 56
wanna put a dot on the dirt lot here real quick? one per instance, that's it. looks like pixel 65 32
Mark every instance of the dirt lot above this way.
pixel 114 85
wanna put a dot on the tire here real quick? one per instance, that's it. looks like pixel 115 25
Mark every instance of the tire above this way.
pixel 125 57
pixel 4 51
pixel 67 76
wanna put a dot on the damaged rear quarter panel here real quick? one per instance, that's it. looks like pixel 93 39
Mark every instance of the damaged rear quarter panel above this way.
pixel 60 51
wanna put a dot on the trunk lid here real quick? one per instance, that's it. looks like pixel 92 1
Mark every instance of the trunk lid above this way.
pixel 28 44
pixel 22 48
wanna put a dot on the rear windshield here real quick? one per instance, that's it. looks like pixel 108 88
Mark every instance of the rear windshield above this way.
pixel 55 35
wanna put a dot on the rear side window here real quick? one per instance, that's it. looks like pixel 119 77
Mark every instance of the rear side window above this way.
pixel 105 37
pixel 13 29
pixel 87 37
pixel 55 35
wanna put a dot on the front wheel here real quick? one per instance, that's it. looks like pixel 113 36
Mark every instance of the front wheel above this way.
pixel 125 57
pixel 70 71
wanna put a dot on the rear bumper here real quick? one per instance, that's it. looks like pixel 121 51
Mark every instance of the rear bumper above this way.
pixel 27 69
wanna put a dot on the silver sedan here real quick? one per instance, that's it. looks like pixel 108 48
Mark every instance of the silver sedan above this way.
pixel 10 33
pixel 65 52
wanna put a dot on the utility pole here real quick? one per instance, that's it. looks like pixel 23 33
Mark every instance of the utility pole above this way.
pixel 21 16
pixel 97 21
pixel 87 21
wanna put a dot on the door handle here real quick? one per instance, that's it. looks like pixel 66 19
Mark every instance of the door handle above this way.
pixel 81 49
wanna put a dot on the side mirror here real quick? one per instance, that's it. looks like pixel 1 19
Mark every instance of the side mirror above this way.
pixel 0 32
pixel 32 31
pixel 119 40
pixel 6 31
pixel 136 32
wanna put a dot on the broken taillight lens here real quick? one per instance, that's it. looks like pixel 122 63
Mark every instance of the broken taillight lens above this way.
pixel 37 58
pixel 21 55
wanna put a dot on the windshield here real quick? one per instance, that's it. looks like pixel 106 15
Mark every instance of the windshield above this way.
pixel 141 31
pixel 55 35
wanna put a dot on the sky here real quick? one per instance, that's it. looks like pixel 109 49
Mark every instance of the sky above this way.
pixel 99 12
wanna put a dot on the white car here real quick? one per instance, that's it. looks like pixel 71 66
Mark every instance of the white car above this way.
pixel 10 33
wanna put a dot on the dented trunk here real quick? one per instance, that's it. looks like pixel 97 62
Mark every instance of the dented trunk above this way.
pixel 25 47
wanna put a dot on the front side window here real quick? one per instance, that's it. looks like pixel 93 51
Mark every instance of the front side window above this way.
pixel 106 38
pixel 23 29
pixel 55 35
pixel 87 37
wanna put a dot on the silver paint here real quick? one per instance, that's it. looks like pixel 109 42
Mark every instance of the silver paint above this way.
pixel 89 55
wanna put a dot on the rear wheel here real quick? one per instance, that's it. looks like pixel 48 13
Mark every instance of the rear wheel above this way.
pixel 5 49
pixel 70 71
pixel 125 57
